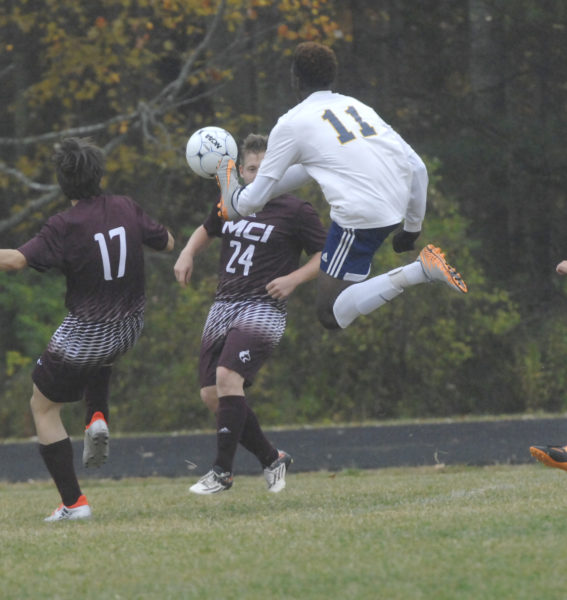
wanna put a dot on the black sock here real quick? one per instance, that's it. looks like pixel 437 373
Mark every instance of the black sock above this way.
pixel 254 440
pixel 231 415
pixel 58 459
pixel 97 394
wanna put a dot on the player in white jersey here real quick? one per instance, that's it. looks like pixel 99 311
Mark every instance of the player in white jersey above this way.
pixel 371 178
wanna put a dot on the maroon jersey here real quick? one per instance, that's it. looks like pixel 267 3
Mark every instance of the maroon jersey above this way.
pixel 263 246
pixel 97 244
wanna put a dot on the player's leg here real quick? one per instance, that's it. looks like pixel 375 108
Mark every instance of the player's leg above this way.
pixel 342 293
pixel 230 413
pixel 96 440
pixel 57 453
pixel 97 394
pixel 210 398
pixel 257 330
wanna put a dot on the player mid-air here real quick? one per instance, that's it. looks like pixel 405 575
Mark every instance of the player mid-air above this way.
pixel 371 178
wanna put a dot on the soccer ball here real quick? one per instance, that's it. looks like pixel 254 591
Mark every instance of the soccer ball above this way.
pixel 206 147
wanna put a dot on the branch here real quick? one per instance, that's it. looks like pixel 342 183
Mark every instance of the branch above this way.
pixel 33 185
pixel 172 89
pixel 32 206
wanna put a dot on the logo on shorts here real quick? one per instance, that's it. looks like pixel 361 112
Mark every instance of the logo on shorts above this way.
pixel 39 361
pixel 244 356
pixel 324 257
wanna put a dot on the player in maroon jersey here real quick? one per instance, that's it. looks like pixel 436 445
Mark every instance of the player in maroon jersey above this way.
pixel 258 270
pixel 98 246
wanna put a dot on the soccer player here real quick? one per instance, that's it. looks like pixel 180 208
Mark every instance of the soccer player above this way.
pixel 98 246
pixel 553 456
pixel 258 270
pixel 371 178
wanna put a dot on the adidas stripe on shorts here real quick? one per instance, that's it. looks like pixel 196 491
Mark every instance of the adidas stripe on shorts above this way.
pixel 348 252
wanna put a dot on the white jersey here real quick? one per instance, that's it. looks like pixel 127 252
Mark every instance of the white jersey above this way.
pixel 368 174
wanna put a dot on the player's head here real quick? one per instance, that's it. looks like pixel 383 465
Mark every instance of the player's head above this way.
pixel 252 153
pixel 314 67
pixel 79 165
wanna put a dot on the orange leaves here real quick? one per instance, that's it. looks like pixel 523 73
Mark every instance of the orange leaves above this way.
pixel 308 20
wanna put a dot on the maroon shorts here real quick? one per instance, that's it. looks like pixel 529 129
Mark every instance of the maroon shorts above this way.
pixel 239 336
pixel 77 353
pixel 64 382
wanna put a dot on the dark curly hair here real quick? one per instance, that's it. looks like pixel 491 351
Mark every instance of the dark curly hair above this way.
pixel 315 65
pixel 79 167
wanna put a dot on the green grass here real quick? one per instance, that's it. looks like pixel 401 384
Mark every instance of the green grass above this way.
pixel 411 534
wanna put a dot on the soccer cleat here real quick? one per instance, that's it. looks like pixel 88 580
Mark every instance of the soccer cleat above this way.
pixel 436 268
pixel 79 510
pixel 213 482
pixel 551 456
pixel 95 449
pixel 227 180
pixel 275 473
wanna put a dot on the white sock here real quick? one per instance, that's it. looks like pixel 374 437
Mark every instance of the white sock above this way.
pixel 408 275
pixel 365 297
pixel 362 298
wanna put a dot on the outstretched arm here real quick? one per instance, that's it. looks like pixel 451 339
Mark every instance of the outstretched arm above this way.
pixel 12 260
pixel 282 287
pixel 254 196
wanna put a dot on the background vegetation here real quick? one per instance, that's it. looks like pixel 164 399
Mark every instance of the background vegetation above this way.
pixel 478 87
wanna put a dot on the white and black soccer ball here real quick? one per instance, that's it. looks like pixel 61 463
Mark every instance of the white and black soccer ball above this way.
pixel 206 147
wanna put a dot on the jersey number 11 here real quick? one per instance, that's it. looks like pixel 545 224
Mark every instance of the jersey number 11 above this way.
pixel 344 134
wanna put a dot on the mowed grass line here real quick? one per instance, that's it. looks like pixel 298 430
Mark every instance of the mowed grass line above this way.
pixel 416 533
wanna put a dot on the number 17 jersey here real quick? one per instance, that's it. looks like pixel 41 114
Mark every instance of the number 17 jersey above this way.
pixel 98 245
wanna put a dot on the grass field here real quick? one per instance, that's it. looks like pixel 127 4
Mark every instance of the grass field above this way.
pixel 411 534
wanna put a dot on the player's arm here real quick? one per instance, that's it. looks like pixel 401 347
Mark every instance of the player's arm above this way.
pixel 415 212
pixel 254 196
pixel 283 287
pixel 183 268
pixel 12 260
pixel 170 243
pixel 404 240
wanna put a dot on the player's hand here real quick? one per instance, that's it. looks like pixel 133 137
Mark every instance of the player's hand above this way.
pixel 404 241
pixel 281 287
pixel 183 269
pixel 561 268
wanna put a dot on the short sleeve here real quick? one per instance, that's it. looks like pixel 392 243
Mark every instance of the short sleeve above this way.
pixel 45 250
pixel 154 234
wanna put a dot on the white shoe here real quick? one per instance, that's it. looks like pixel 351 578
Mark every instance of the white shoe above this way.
pixel 275 473
pixel 95 449
pixel 79 510
pixel 212 483
pixel 227 179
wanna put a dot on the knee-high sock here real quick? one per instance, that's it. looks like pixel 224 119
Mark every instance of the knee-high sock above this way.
pixel 231 416
pixel 58 458
pixel 97 394
pixel 365 297
pixel 254 440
